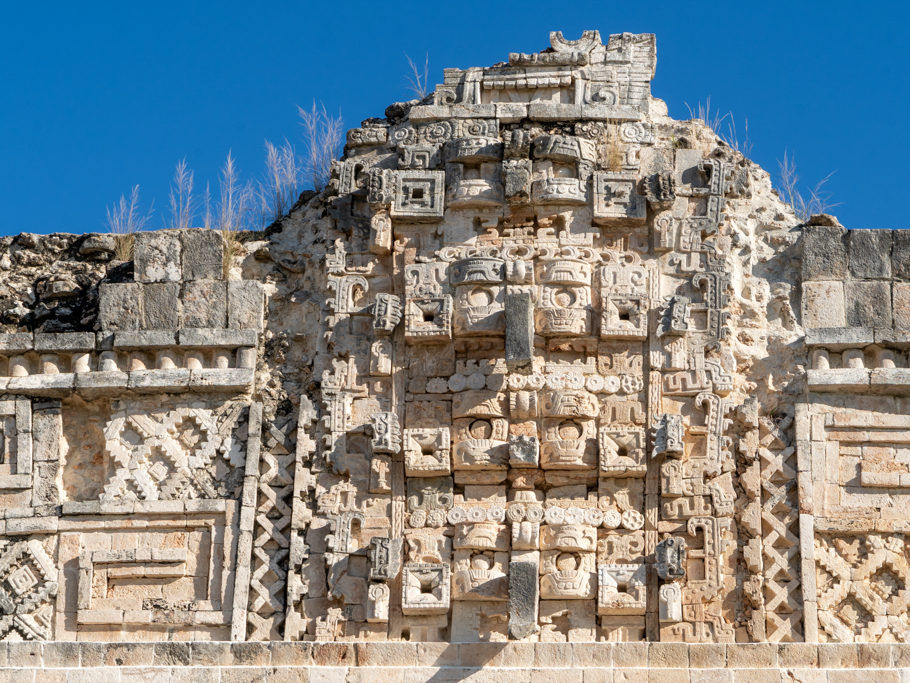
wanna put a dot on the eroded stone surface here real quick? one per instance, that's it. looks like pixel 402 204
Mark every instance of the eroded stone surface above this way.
pixel 541 364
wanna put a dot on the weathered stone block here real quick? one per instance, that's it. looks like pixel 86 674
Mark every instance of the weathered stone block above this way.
pixel 97 246
pixel 752 655
pixel 46 434
pixel 250 654
pixel 333 654
pixel 291 654
pixel 824 253
pixel 900 254
pixel 386 654
pixel 144 339
pixel 60 655
pixel 245 304
pixel 207 337
pixel 524 593
pixel 160 305
pixel 823 304
pixel 16 342
pixel 840 337
pixel 172 654
pixel 870 253
pixel 203 254
pixel 519 330
pixel 668 655
pixel 204 304
pixel 524 451
pixel 156 256
pixel 129 654
pixel 65 341
pixel 837 656
pixel 900 293
pixel 630 654
pixel 120 306
pixel 516 176
pixel 874 655
pixel 868 303
pixel 797 655
pixel 24 654
pixel 210 654
pixel 479 654
pixel 707 656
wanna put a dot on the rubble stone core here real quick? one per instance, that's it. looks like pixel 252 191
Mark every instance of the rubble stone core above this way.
pixel 541 364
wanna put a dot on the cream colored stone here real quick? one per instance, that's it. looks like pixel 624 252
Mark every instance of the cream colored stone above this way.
pixel 522 394
pixel 630 654
pixel 752 656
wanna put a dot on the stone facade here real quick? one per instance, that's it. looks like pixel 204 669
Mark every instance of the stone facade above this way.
pixel 540 365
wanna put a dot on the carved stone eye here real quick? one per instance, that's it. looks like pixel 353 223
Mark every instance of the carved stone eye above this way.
pixel 481 429
pixel 481 561
pixel 564 298
pixel 570 430
pixel 567 562
pixel 480 297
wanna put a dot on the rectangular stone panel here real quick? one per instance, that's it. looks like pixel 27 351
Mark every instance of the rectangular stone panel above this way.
pixel 519 330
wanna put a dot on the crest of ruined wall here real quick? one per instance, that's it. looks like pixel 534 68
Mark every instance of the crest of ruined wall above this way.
pixel 534 367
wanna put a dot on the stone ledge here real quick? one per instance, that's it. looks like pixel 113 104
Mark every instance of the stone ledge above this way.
pixel 452 657
pixel 87 342
pixel 400 674
pixel 840 337
pixel 95 383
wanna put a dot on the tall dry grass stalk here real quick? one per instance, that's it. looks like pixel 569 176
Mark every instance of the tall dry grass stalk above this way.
pixel 181 197
pixel 280 187
pixel 124 218
pixel 234 201
pixel 418 81
pixel 723 125
pixel 322 136
pixel 207 207
pixel 817 200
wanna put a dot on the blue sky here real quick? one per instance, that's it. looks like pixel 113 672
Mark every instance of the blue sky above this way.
pixel 100 96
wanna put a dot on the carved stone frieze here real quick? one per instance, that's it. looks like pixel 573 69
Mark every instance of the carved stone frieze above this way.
pixel 539 364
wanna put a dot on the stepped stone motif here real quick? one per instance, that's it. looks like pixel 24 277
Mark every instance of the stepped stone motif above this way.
pixel 541 364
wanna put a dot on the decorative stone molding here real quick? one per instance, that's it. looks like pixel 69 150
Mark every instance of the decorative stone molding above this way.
pixel 534 384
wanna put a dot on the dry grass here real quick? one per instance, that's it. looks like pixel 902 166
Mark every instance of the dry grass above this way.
pixel 322 137
pixel 815 200
pixel 723 125
pixel 234 198
pixel 207 207
pixel 232 248
pixel 255 204
pixel 280 187
pixel 181 197
pixel 125 218
pixel 418 81
pixel 234 202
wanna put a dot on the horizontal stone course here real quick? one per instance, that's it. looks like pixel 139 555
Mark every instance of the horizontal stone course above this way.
pixel 451 656
pixel 402 674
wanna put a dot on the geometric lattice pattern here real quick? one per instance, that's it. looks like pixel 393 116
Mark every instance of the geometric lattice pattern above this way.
pixel 183 453
pixel 780 533
pixel 28 583
pixel 862 587
pixel 271 537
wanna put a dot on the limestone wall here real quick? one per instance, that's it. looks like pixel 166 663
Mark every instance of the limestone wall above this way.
pixel 630 662
pixel 852 433
pixel 541 365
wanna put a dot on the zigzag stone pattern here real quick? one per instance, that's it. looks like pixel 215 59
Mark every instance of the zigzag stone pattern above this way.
pixel 541 364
